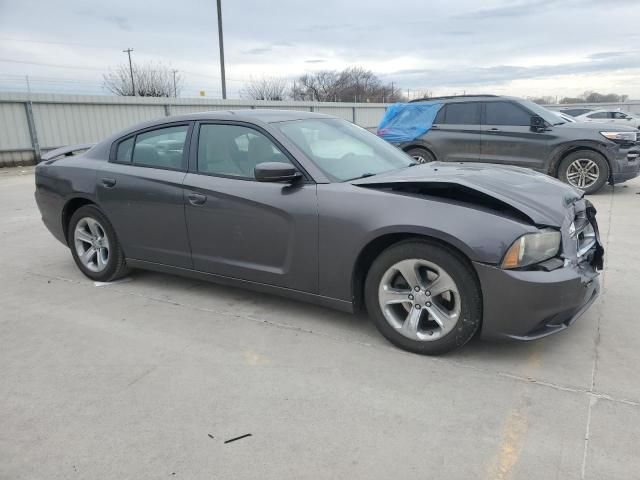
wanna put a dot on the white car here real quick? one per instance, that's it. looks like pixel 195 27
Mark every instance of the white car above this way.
pixel 610 116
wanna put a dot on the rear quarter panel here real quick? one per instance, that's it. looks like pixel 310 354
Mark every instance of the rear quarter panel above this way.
pixel 61 181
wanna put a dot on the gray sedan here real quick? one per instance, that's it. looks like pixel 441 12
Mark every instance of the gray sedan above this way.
pixel 314 208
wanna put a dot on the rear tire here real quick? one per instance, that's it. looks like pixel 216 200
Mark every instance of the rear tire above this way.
pixel 437 310
pixel 94 245
pixel 421 155
pixel 584 169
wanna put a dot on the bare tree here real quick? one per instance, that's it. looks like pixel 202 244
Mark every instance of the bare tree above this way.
pixel 151 80
pixel 322 86
pixel 595 97
pixel 354 84
pixel 265 88
pixel 544 100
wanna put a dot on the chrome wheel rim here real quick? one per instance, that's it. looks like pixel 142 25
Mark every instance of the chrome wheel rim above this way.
pixel 419 299
pixel 91 244
pixel 419 158
pixel 583 173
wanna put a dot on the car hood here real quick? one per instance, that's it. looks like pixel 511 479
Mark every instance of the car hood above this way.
pixel 541 198
pixel 597 126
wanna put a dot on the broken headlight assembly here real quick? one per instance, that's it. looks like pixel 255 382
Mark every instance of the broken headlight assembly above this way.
pixel 532 248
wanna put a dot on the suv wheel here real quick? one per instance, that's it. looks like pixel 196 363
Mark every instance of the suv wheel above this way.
pixel 421 155
pixel 423 297
pixel 584 169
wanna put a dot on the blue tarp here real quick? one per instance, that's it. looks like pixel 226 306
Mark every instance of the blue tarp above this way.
pixel 404 122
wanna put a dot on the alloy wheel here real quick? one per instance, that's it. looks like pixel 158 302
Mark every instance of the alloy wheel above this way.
pixel 419 299
pixel 583 173
pixel 91 244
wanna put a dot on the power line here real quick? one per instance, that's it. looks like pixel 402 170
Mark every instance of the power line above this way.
pixel 75 67
pixel 52 42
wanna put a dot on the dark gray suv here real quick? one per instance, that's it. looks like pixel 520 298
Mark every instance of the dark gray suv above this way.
pixel 514 131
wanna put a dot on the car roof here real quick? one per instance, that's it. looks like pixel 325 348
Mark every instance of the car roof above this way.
pixel 466 98
pixel 603 110
pixel 250 115
pixel 257 116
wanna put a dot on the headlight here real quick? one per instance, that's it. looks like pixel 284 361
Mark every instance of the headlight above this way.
pixel 532 248
pixel 620 136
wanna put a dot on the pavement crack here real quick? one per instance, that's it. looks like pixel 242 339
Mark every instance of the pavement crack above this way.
pixel 596 356
pixel 590 392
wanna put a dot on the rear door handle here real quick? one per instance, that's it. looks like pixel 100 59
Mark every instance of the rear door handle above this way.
pixel 494 129
pixel 108 182
pixel 196 199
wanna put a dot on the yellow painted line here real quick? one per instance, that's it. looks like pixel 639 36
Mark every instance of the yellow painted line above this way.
pixel 515 428
pixel 254 358
pixel 511 442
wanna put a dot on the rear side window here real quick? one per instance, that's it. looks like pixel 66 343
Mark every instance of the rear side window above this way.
pixel 461 114
pixel 125 149
pixel 162 148
pixel 598 115
pixel 506 113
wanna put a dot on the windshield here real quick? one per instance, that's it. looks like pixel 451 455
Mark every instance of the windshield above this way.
pixel 342 150
pixel 548 115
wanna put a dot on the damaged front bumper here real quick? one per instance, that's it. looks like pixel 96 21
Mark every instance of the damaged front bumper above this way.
pixel 526 305
pixel 531 304
pixel 625 164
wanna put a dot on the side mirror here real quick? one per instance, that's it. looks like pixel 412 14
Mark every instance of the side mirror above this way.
pixel 537 123
pixel 276 172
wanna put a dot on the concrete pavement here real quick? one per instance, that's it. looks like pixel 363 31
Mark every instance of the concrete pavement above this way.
pixel 133 379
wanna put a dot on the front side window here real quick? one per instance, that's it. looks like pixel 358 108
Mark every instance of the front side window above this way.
pixel 506 113
pixel 462 114
pixel 342 150
pixel 234 150
pixel 619 116
pixel 161 148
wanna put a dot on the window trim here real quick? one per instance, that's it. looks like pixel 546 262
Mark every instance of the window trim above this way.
pixel 515 104
pixel 478 105
pixel 185 153
pixel 195 140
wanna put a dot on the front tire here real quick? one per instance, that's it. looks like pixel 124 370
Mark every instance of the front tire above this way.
pixel 94 245
pixel 423 297
pixel 421 155
pixel 584 169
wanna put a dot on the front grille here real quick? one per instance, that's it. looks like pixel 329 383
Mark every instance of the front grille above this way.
pixel 584 231
pixel 584 234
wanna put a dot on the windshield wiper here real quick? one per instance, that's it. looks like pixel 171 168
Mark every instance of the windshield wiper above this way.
pixel 413 164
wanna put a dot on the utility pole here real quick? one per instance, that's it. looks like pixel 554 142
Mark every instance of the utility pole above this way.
pixel 175 91
pixel 133 85
pixel 221 45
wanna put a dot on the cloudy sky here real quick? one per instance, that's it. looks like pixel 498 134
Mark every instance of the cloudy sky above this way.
pixel 518 47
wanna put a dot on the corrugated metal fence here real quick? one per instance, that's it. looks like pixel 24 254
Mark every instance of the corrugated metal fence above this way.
pixel 30 124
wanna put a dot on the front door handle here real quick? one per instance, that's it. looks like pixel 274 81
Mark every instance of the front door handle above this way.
pixel 494 129
pixel 196 199
pixel 108 182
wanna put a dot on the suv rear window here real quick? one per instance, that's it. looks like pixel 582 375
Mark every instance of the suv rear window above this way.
pixel 460 114
pixel 506 113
